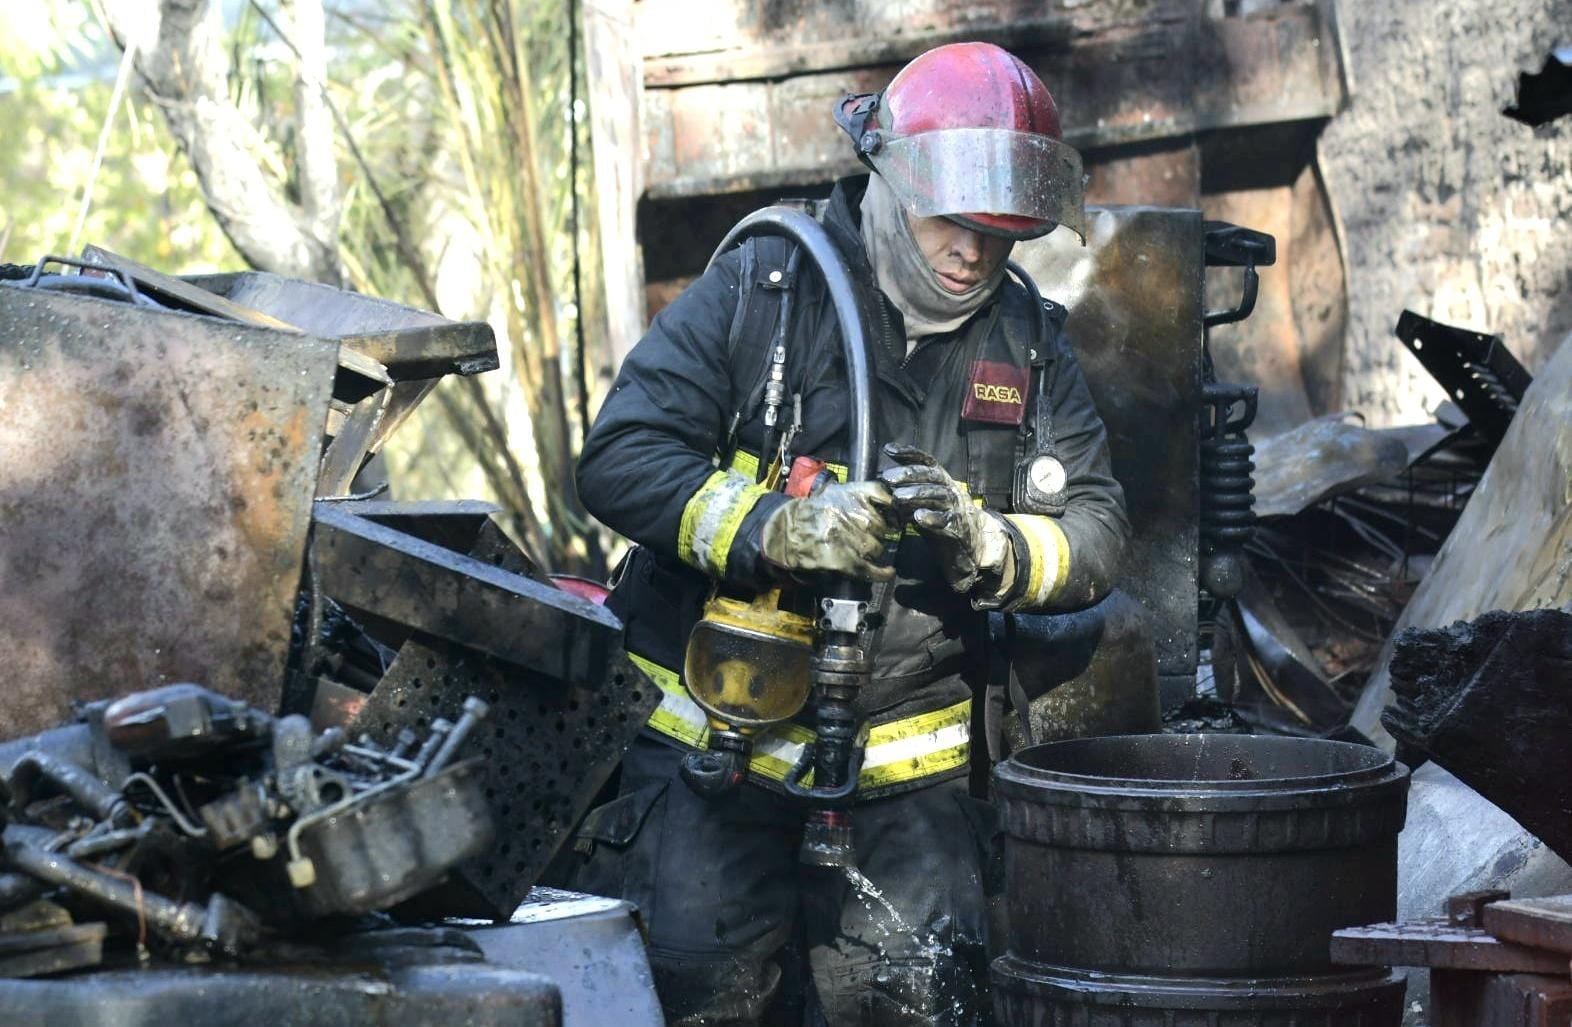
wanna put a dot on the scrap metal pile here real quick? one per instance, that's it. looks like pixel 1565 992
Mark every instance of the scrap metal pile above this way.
pixel 252 712
pixel 1348 521
pixel 211 825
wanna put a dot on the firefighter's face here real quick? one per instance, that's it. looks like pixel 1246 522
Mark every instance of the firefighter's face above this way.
pixel 960 256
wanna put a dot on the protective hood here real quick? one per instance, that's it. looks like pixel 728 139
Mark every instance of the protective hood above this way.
pixel 903 273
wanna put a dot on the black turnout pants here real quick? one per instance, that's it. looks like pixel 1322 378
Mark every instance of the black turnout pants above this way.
pixel 738 927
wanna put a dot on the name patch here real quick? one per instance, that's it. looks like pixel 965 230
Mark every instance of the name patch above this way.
pixel 996 393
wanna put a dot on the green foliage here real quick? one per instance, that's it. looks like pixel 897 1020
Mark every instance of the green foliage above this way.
pixel 463 117
pixel 146 202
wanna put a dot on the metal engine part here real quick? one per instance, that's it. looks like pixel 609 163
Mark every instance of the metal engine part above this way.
pixel 403 840
pixel 333 827
pixel 564 700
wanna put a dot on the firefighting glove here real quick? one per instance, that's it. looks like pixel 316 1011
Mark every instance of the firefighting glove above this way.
pixel 837 529
pixel 975 547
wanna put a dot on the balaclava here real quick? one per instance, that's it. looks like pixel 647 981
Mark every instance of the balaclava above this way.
pixel 904 275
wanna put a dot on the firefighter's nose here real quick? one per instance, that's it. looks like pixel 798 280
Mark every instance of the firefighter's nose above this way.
pixel 968 245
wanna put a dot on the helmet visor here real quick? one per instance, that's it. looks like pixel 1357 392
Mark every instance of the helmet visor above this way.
pixel 964 171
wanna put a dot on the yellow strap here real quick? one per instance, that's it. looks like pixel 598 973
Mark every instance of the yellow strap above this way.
pixel 747 464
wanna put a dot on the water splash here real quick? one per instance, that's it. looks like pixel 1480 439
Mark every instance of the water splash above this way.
pixel 930 953
pixel 860 883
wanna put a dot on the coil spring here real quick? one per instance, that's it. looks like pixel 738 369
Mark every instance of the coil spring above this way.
pixel 1227 483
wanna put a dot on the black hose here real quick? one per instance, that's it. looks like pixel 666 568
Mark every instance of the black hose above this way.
pixel 808 234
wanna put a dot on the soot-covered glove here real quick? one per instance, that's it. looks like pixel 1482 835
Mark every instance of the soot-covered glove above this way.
pixel 974 545
pixel 838 529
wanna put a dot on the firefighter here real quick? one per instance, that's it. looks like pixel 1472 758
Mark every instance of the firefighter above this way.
pixel 995 468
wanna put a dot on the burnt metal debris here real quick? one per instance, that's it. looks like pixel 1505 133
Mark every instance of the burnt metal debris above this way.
pixel 1544 95
pixel 254 715
pixel 208 822
pixel 1350 521
pixel 1475 369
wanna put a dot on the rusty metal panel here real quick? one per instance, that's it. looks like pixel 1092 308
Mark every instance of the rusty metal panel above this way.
pixel 155 495
pixel 412 344
pixel 1135 299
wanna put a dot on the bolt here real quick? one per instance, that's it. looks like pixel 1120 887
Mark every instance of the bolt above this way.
pixel 474 711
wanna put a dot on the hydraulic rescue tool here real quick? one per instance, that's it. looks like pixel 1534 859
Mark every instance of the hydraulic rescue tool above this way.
pixel 751 664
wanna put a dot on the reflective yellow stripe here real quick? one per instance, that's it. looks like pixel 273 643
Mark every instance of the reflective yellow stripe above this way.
pixel 677 716
pixel 1048 552
pixel 896 753
pixel 711 519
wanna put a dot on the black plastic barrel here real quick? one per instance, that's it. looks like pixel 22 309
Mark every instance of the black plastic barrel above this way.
pixel 1179 879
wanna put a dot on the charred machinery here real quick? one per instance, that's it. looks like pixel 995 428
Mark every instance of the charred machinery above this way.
pixel 213 826
pixel 260 713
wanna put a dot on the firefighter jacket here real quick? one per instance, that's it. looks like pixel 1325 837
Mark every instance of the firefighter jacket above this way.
pixel 670 463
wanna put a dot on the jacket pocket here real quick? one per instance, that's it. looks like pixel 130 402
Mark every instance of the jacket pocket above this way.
pixel 619 821
pixel 606 859
pixel 658 603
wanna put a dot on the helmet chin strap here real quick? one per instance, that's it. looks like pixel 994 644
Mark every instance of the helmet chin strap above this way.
pixel 904 274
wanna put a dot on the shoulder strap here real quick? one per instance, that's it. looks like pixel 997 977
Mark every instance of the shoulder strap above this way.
pixel 767 272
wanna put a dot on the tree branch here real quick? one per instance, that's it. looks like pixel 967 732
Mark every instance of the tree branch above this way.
pixel 318 171
pixel 181 59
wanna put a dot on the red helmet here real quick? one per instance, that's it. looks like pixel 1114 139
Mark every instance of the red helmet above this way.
pixel 969 132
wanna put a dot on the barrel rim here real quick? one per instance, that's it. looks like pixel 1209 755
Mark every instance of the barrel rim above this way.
pixel 1016 771
pixel 1098 987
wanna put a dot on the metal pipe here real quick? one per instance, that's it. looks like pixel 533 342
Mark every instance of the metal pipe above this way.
pixel 101 800
pixel 439 730
pixel 474 711
pixel 182 921
pixel 98 844
pixel 17 890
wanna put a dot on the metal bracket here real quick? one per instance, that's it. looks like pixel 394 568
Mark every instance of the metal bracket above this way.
pixel 1229 245
pixel 843 615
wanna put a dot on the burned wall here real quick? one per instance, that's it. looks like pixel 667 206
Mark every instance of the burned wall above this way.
pixel 1444 205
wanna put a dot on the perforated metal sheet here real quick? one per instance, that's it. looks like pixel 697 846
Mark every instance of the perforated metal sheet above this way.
pixel 548 748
